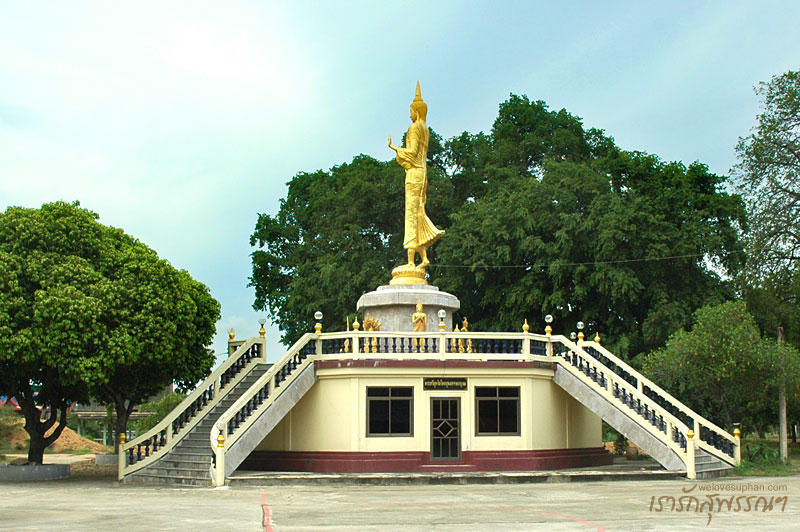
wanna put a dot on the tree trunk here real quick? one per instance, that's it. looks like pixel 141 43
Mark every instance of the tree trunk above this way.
pixel 37 429
pixel 123 412
pixel 727 418
pixel 782 442
pixel 761 434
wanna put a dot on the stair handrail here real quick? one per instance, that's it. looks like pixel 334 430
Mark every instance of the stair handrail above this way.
pixel 161 436
pixel 667 416
pixel 699 421
pixel 219 437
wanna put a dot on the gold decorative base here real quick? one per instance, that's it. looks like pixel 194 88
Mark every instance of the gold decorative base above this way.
pixel 408 274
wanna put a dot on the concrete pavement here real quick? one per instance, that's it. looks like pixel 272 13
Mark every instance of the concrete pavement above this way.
pixel 104 504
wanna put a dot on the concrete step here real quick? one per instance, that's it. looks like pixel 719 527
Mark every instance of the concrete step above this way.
pixel 146 478
pixel 180 462
pixel 191 457
pixel 182 472
pixel 261 478
pixel 712 466
pixel 445 467
pixel 195 443
pixel 197 436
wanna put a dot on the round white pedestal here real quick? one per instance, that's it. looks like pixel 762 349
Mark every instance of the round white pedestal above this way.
pixel 393 306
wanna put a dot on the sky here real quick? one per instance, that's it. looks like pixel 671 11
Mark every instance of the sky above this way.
pixel 180 122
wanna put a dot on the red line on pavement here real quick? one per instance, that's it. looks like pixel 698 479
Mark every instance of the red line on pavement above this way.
pixel 265 520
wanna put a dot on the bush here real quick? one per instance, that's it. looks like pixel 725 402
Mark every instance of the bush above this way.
pixel 621 444
pixel 762 454
pixel 159 410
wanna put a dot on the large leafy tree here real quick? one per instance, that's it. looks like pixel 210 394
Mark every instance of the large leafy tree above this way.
pixel 86 310
pixel 723 369
pixel 768 177
pixel 542 216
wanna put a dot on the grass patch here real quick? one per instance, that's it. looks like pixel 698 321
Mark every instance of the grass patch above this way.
pixel 8 423
pixel 762 458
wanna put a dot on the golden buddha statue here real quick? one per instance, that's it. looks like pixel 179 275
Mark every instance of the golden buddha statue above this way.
pixel 419 319
pixel 419 233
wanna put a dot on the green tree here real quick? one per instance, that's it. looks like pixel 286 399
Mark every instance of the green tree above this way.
pixel 722 368
pixel 769 178
pixel 542 216
pixel 86 310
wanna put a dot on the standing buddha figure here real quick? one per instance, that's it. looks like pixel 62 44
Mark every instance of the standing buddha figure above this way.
pixel 419 231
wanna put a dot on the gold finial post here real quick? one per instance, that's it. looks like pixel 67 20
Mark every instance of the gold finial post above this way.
pixel 597 337
pixel 690 434
pixel 262 332
pixel 121 439
pixel 318 325
pixel 525 326
pixel 737 433
pixel 580 336
pixel 548 319
pixel 220 440
pixel 356 325
pixel 231 335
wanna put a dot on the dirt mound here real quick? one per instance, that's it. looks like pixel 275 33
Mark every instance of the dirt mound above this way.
pixel 17 438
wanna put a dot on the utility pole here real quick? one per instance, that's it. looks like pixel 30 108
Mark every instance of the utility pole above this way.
pixel 784 444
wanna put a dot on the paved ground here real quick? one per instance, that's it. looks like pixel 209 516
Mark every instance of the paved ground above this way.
pixel 103 504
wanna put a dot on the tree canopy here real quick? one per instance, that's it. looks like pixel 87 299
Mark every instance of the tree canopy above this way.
pixel 86 310
pixel 768 177
pixel 543 216
pixel 724 370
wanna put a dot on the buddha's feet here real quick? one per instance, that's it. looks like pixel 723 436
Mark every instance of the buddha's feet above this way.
pixel 408 274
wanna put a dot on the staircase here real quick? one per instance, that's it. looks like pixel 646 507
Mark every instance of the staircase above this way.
pixel 216 427
pixel 189 462
pixel 674 435
pixel 708 466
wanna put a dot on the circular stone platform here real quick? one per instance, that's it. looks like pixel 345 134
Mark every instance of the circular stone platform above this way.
pixel 27 473
pixel 393 306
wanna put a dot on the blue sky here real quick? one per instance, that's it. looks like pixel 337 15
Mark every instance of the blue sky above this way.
pixel 181 121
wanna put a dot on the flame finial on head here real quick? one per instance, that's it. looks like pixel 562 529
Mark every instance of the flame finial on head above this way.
pixel 419 104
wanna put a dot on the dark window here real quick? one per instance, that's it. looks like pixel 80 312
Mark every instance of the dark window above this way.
pixel 497 410
pixel 389 411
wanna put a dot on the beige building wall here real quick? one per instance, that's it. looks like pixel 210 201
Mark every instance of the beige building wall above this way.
pixel 332 416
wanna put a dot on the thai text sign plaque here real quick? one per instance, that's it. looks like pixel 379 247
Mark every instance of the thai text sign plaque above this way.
pixel 444 383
